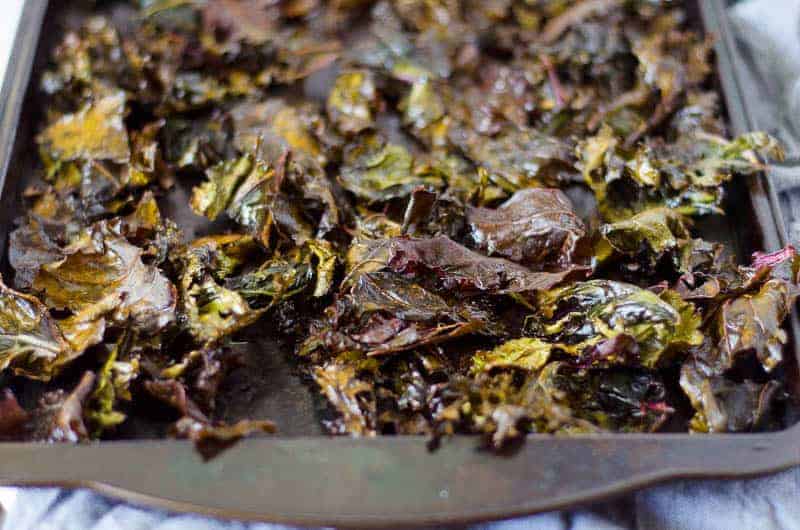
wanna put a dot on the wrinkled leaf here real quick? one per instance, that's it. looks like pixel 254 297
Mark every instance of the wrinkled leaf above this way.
pixel 525 353
pixel 384 314
pixel 249 191
pixel 312 265
pixel 536 227
pixel 723 405
pixel 349 396
pixel 752 323
pixel 606 323
pixel 518 159
pixel 212 311
pixel 102 274
pixel 454 267
pixel 31 246
pixel 378 171
pixel 424 113
pixel 649 235
pixel 95 132
pixel 685 176
pixel 617 400
pixel 503 410
pixel 31 341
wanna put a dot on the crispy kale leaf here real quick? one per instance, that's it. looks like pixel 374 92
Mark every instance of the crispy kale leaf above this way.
pixel 218 298
pixel 618 399
pixel 526 353
pixel 536 227
pixel 12 416
pixel 724 405
pixel 606 323
pixel 282 276
pixel 685 176
pixel 211 439
pixel 31 246
pixel 95 132
pixel 751 324
pixel 423 109
pixel 453 267
pixel 112 385
pixel 648 236
pixel 249 191
pixel 502 409
pixel 59 415
pixel 376 170
pixel 31 341
pixel 102 276
pixel 272 127
pixel 518 158
pixel 384 313
pixel 349 395
pixel 746 307
pixel 210 310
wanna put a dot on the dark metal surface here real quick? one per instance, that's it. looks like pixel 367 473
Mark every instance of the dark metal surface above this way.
pixel 305 478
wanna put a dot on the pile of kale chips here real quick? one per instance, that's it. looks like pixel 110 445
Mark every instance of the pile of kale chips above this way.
pixel 388 183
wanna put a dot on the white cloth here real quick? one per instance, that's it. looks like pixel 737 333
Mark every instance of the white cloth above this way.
pixel 769 33
pixel 765 27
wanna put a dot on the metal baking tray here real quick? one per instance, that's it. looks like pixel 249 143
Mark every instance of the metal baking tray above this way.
pixel 304 477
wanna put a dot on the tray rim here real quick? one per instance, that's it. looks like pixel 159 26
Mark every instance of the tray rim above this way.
pixel 692 462
pixel 15 89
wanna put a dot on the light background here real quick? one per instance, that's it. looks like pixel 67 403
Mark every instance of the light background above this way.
pixel 9 17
